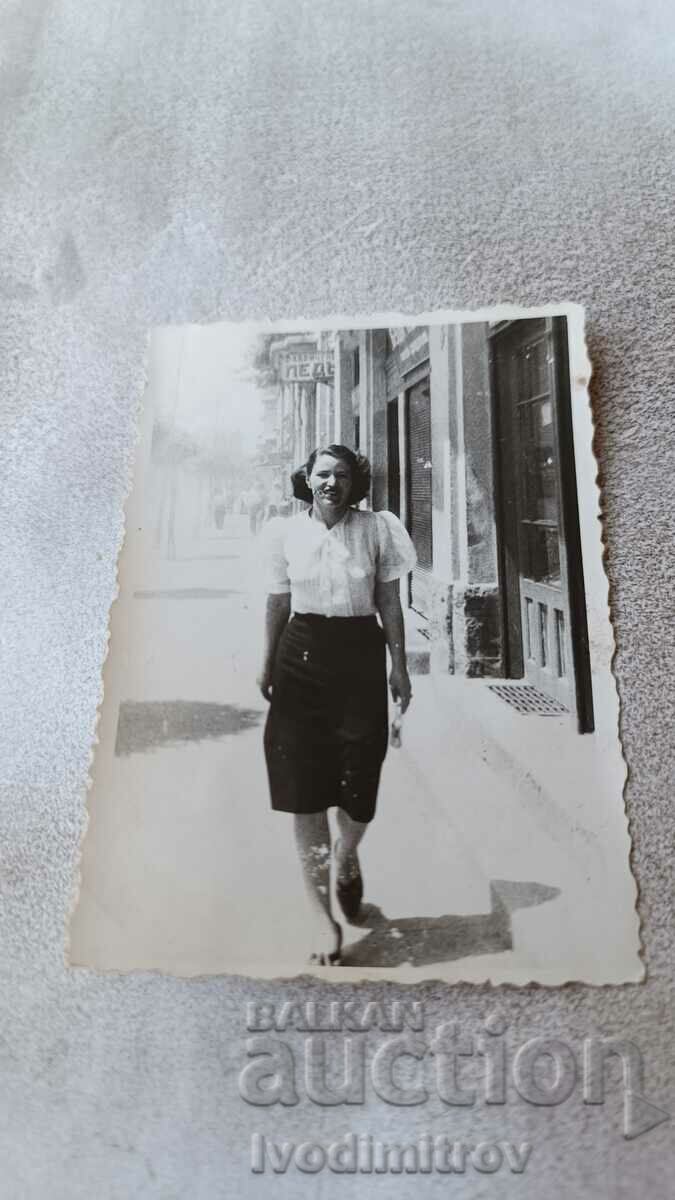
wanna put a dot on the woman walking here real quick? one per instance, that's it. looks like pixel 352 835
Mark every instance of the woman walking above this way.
pixel 334 568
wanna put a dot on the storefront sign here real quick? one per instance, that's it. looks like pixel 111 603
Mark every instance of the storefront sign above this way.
pixel 307 368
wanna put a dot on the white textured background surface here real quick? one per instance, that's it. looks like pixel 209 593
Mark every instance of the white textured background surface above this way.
pixel 193 161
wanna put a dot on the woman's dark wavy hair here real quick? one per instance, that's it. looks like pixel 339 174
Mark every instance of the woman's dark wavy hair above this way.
pixel 358 465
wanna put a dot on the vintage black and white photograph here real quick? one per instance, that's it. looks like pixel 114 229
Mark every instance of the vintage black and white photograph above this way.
pixel 359 718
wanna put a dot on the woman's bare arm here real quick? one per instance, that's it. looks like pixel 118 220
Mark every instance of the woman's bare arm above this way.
pixel 277 612
pixel 388 605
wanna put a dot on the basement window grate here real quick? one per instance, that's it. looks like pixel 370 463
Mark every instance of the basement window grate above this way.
pixel 527 699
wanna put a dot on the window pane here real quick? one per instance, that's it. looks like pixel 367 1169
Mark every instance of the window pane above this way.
pixel 542 550
pixel 529 605
pixel 560 641
pixel 543 634
pixel 539 482
pixel 532 369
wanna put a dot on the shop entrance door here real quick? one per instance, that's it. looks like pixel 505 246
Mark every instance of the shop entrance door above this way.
pixel 541 567
pixel 418 442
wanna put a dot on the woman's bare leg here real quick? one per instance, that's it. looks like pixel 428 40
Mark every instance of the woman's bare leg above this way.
pixel 312 835
pixel 346 857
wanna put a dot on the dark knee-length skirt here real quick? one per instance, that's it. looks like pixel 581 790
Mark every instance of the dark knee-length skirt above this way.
pixel 327 727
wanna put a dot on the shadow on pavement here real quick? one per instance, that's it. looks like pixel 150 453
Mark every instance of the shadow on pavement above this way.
pixel 144 725
pixel 419 941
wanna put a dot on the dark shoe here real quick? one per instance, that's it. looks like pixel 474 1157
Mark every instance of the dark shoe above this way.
pixel 349 893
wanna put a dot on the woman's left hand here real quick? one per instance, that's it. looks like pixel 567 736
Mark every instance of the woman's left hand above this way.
pixel 401 688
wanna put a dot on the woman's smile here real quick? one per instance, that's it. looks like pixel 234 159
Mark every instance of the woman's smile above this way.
pixel 331 483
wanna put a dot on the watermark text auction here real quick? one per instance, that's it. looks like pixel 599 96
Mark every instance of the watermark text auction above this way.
pixel 462 1068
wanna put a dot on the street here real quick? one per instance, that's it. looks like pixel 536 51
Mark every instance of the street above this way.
pixel 485 858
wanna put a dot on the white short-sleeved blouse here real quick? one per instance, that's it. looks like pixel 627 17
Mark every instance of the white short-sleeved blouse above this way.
pixel 333 572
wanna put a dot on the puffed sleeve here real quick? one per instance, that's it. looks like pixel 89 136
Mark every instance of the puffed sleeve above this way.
pixel 273 559
pixel 396 554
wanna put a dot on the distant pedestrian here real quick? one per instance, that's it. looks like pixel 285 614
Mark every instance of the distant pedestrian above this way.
pixel 335 567
pixel 256 501
pixel 273 504
pixel 219 507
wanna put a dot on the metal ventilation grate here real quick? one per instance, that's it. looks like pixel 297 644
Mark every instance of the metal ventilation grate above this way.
pixel 527 699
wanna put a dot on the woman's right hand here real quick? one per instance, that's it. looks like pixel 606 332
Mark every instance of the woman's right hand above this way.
pixel 264 682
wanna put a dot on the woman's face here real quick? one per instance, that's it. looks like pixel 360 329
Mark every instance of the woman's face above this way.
pixel 331 483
